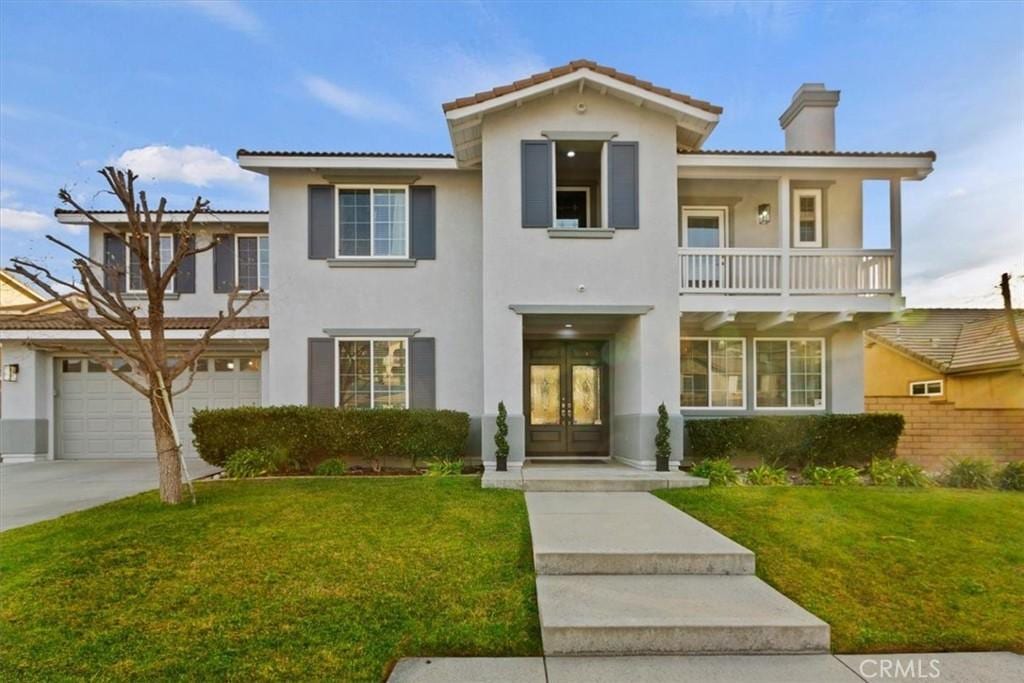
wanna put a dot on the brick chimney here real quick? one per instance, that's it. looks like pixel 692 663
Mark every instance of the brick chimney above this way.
pixel 810 120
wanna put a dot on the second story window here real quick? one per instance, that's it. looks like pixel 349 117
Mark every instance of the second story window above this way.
pixel 253 267
pixel 135 283
pixel 373 221
pixel 807 218
pixel 577 183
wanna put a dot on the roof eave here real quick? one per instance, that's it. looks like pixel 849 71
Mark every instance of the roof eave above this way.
pixel 915 167
pixel 265 163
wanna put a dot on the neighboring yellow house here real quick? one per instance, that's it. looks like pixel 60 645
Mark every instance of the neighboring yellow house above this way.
pixel 17 298
pixel 955 376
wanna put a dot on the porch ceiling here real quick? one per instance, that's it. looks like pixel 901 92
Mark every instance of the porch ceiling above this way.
pixel 582 325
pixel 780 321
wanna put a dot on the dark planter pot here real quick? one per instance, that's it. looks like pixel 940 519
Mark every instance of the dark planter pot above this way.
pixel 662 464
pixel 502 463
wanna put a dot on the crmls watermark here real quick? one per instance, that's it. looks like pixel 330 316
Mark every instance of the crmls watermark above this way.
pixel 901 669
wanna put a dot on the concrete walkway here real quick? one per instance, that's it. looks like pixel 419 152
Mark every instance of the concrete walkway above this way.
pixel 35 491
pixel 628 574
pixel 943 667
pixel 593 476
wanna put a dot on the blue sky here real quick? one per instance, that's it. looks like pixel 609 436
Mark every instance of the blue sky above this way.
pixel 175 88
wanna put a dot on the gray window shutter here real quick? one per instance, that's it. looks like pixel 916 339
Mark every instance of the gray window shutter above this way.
pixel 422 387
pixel 623 185
pixel 114 254
pixel 321 371
pixel 224 264
pixel 423 219
pixel 536 169
pixel 185 278
pixel 321 221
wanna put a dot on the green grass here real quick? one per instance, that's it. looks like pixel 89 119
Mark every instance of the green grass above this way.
pixel 890 570
pixel 300 580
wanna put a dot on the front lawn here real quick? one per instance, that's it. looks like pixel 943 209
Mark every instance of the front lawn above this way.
pixel 299 580
pixel 892 570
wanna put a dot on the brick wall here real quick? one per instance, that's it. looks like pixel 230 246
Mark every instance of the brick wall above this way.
pixel 936 430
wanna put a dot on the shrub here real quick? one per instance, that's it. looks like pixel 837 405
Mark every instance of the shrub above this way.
pixel 718 472
pixel 312 434
pixel 797 441
pixel 766 475
pixel 841 475
pixel 897 473
pixel 255 462
pixel 969 473
pixel 662 440
pixel 444 468
pixel 331 467
pixel 1011 478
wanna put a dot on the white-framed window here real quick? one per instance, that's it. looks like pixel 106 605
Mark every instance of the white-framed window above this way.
pixel 371 373
pixel 252 262
pixel 572 206
pixel 789 373
pixel 135 271
pixel 372 221
pixel 703 227
pixel 712 372
pixel 807 217
pixel 931 387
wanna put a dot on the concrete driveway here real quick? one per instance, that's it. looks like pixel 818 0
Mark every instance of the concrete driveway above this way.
pixel 33 491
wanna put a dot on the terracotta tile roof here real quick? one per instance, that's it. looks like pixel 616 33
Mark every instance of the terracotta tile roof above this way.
pixel 68 321
pixel 300 153
pixel 953 340
pixel 72 212
pixel 804 153
pixel 576 65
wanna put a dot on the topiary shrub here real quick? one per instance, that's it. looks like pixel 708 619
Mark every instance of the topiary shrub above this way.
pixel 840 475
pixel 331 467
pixel 662 440
pixel 796 441
pixel 718 472
pixel 312 434
pixel 1011 478
pixel 444 468
pixel 501 438
pixel 897 473
pixel 246 463
pixel 766 475
pixel 969 473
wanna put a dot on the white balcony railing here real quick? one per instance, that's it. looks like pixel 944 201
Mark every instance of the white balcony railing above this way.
pixel 811 271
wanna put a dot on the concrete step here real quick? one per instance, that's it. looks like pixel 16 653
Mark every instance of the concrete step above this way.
pixel 660 614
pixel 626 533
pixel 602 477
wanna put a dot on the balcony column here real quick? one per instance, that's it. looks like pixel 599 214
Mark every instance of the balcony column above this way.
pixel 896 233
pixel 785 216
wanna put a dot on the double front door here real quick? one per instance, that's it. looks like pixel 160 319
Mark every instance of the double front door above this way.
pixel 566 387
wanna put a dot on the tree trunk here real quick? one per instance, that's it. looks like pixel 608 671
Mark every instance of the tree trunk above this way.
pixel 168 460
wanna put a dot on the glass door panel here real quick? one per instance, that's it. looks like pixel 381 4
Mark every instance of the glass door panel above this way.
pixel 545 394
pixel 586 395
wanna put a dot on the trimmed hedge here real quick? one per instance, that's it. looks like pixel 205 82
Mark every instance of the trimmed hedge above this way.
pixel 797 441
pixel 312 434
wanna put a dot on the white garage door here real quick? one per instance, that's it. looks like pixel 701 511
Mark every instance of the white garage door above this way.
pixel 99 416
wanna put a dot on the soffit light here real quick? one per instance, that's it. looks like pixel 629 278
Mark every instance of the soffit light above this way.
pixel 571 153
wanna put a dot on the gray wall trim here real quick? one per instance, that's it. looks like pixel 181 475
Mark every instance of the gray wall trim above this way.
pixel 24 436
pixel 371 262
pixel 139 296
pixel 581 309
pixel 361 177
pixel 371 331
pixel 582 233
pixel 579 134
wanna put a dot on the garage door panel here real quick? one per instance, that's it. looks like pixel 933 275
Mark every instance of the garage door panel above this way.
pixel 99 416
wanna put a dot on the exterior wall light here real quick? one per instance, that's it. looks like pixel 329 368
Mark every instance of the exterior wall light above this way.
pixel 764 214
pixel 10 373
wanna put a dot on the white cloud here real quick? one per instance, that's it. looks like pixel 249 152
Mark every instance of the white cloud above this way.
pixel 231 14
pixel 354 104
pixel 192 165
pixel 448 72
pixel 23 221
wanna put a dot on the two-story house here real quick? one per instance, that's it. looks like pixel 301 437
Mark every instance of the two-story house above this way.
pixel 580 257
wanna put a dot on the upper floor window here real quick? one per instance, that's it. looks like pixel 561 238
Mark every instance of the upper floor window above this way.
pixel 135 283
pixel 373 221
pixel 703 227
pixel 372 373
pixel 807 218
pixel 577 182
pixel 253 267
pixel 926 388
pixel 712 373
pixel 790 373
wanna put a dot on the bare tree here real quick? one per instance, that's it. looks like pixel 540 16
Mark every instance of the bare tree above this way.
pixel 1011 318
pixel 138 340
